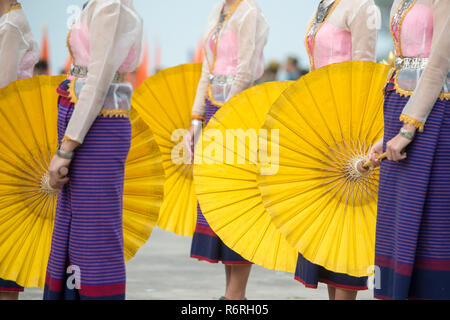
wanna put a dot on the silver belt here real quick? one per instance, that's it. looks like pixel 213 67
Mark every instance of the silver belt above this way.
pixel 410 63
pixel 82 72
pixel 221 79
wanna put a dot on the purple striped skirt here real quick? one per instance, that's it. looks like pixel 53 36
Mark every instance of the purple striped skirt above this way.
pixel 87 255
pixel 310 274
pixel 413 224
pixel 206 245
pixel 9 286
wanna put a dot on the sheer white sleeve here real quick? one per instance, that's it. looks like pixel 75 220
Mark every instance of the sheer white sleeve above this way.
pixel 247 52
pixel 364 29
pixel 198 108
pixel 202 89
pixel 10 45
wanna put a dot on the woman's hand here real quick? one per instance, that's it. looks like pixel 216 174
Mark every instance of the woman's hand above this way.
pixel 191 139
pixel 395 149
pixel 57 182
pixel 375 152
pixel 57 163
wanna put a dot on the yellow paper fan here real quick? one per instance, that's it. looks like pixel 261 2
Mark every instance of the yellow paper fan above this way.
pixel 28 141
pixel 143 187
pixel 318 199
pixel 227 189
pixel 165 103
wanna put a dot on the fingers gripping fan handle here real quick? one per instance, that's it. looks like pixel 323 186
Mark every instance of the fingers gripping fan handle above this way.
pixel 28 141
pixel 319 200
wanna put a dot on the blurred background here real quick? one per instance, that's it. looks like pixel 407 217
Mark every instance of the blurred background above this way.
pixel 174 28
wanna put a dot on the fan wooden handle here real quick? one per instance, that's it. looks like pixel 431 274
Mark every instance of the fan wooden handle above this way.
pixel 63 172
pixel 369 163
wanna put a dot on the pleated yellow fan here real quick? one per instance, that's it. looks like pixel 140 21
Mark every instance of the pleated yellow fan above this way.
pixel 28 140
pixel 143 187
pixel 165 103
pixel 319 200
pixel 227 188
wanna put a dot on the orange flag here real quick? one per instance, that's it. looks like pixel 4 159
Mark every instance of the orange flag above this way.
pixel 199 53
pixel 67 65
pixel 142 70
pixel 45 48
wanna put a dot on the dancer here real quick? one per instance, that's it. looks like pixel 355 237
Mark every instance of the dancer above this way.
pixel 342 30
pixel 236 36
pixel 413 224
pixel 87 255
pixel 18 55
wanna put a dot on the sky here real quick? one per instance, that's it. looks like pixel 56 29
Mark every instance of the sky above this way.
pixel 178 26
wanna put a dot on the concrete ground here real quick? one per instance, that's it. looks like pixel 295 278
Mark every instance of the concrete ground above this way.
pixel 162 270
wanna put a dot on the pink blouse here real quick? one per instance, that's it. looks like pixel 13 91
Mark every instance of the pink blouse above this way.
pixel 332 45
pixel 227 53
pixel 349 32
pixel 416 32
pixel 80 48
pixel 239 56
